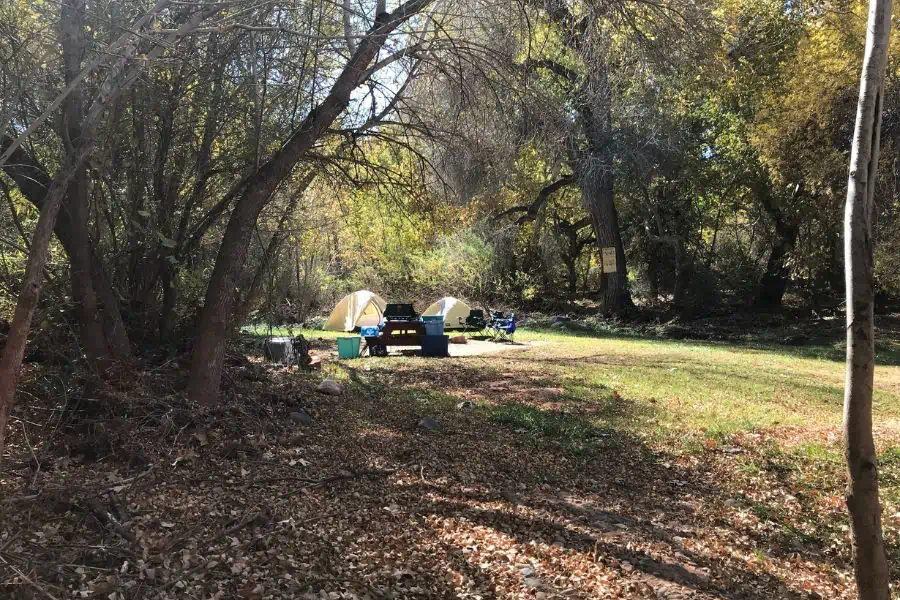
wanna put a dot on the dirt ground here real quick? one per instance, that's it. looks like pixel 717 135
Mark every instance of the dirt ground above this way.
pixel 398 488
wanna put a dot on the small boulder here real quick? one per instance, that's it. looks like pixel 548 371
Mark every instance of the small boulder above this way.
pixel 301 418
pixel 558 325
pixel 459 339
pixel 465 405
pixel 429 424
pixel 330 387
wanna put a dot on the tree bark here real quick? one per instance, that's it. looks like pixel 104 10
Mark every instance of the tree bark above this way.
pixel 93 338
pixel 213 322
pixel 870 564
pixel 254 294
pixel 595 169
pixel 775 280
pixel 599 199
pixel 34 182
pixel 11 360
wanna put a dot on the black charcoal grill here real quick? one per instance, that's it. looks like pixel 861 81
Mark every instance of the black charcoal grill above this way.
pixel 397 313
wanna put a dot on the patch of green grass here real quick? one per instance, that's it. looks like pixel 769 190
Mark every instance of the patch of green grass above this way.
pixel 694 386
pixel 573 432
pixel 263 330
pixel 762 512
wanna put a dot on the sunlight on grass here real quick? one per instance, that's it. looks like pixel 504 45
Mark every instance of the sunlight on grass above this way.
pixel 706 386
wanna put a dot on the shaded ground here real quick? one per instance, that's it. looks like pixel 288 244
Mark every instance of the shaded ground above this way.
pixel 584 468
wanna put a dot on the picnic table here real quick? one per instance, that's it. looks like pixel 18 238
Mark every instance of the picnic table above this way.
pixel 395 333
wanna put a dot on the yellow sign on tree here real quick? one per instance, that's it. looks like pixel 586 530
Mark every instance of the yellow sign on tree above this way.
pixel 608 258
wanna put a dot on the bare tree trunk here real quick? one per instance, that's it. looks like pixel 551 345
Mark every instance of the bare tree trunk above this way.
pixel 93 338
pixel 599 199
pixel 11 360
pixel 27 302
pixel 597 179
pixel 871 569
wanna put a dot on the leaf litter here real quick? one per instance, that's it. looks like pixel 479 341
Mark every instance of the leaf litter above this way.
pixel 239 501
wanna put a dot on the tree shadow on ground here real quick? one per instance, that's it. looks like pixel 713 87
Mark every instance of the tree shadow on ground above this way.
pixel 612 499
pixel 508 498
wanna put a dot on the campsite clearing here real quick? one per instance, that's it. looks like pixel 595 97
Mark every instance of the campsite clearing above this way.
pixel 571 467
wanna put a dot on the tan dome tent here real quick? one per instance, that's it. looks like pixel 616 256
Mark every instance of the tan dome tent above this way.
pixel 359 309
pixel 454 312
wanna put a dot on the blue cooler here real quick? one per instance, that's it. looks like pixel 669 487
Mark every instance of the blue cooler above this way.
pixel 434 325
pixel 436 345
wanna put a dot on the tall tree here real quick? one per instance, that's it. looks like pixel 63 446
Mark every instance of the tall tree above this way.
pixel 256 191
pixel 871 567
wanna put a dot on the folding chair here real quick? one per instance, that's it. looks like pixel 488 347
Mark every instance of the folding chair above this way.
pixel 503 328
pixel 475 322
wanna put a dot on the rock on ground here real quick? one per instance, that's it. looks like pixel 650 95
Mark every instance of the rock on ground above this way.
pixel 330 387
pixel 301 418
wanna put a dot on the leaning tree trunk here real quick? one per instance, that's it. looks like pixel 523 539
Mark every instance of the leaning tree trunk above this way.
pixel 13 352
pixel 33 182
pixel 214 320
pixel 871 569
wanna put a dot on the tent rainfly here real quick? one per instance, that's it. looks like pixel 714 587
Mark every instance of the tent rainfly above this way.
pixel 454 312
pixel 359 309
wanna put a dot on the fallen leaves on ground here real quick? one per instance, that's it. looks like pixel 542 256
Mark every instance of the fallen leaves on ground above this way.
pixel 359 502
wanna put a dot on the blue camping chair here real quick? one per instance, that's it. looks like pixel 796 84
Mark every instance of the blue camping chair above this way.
pixel 502 328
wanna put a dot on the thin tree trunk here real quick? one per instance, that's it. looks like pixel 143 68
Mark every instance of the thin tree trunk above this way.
pixel 93 338
pixel 34 182
pixel 871 569
pixel 13 352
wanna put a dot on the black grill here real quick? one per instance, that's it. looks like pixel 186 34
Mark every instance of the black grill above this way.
pixel 400 312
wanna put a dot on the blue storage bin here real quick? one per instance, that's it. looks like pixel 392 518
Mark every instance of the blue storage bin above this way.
pixel 434 325
pixel 435 345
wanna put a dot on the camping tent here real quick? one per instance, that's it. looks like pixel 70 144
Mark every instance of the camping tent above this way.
pixel 454 312
pixel 359 309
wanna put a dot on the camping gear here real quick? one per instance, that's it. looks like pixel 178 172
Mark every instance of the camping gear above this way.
pixel 454 311
pixel 400 312
pixel 368 331
pixel 434 324
pixel 348 347
pixel 397 333
pixel 359 309
pixel 476 321
pixel 287 351
pixel 279 349
pixel 502 328
pixel 435 345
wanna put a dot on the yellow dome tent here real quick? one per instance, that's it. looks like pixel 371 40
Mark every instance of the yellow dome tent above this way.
pixel 454 312
pixel 359 309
